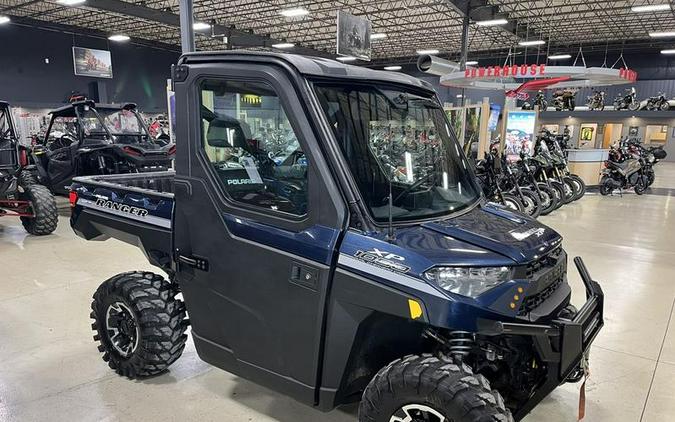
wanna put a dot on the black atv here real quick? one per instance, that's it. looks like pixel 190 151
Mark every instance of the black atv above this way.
pixel 85 139
pixel 20 195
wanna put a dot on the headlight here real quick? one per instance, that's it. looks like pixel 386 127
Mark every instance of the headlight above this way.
pixel 470 282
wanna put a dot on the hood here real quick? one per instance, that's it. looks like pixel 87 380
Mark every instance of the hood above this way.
pixel 497 229
pixel 488 235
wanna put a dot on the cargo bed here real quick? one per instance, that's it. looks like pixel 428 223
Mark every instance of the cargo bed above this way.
pixel 134 208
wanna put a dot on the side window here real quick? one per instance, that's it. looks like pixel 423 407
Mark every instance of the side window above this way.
pixel 252 146
pixel 63 132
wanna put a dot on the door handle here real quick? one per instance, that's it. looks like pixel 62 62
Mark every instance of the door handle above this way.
pixel 304 276
pixel 194 262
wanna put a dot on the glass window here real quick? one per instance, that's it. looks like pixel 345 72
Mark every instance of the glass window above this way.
pixel 252 146
pixel 400 143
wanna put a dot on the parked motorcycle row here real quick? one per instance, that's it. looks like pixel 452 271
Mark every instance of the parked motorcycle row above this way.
pixel 534 184
pixel 564 99
pixel 630 166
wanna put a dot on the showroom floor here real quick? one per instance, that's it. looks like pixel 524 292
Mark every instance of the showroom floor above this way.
pixel 50 369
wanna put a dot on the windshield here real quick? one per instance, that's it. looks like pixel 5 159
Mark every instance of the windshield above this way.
pixel 392 138
pixel 91 124
pixel 122 122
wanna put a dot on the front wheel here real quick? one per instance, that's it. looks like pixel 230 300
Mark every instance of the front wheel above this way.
pixel 606 185
pixel 664 106
pixel 45 214
pixel 641 185
pixel 651 177
pixel 579 186
pixel 511 202
pixel 634 106
pixel 531 203
pixel 139 324
pixel 426 388
pixel 548 200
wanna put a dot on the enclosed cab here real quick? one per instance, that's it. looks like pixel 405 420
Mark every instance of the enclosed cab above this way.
pixel 330 242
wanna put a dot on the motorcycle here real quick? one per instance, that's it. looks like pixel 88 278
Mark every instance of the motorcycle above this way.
pixel 489 181
pixel 563 99
pixel 596 101
pixel 658 102
pixel 548 197
pixel 627 101
pixel 539 100
pixel 530 200
pixel 623 172
pixel 560 171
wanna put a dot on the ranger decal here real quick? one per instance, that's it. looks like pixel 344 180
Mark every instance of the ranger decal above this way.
pixel 105 203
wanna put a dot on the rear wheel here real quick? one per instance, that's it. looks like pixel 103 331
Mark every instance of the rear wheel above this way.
pixel 641 185
pixel 664 106
pixel 428 389
pixel 635 105
pixel 606 186
pixel 45 214
pixel 27 178
pixel 139 324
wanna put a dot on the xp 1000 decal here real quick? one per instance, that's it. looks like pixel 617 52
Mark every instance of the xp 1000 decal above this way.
pixel 383 259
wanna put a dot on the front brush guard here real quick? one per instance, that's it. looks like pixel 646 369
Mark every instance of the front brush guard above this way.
pixel 562 344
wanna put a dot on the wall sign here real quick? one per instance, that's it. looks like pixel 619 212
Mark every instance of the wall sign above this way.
pixel 93 63
pixel 353 36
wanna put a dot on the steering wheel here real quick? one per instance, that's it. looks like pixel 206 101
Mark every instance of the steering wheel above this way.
pixel 412 187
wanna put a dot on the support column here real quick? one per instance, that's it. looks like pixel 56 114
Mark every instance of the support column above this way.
pixel 187 34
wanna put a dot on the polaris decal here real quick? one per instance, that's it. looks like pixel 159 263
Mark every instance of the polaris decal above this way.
pixel 105 203
pixel 383 259
pixel 241 182
pixel 535 231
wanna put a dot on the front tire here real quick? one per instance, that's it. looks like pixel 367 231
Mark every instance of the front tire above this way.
pixel 511 202
pixel 427 388
pixel 606 185
pixel 548 200
pixel 531 203
pixel 579 186
pixel 139 324
pixel 45 214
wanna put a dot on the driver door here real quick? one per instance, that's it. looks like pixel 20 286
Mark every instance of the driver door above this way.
pixel 255 232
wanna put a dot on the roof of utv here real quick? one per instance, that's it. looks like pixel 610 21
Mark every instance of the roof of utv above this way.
pixel 313 66
pixel 69 110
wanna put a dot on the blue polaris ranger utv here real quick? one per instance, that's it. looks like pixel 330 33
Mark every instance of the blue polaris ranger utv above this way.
pixel 330 242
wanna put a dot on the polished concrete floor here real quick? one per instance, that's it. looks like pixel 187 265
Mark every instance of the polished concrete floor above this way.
pixel 50 369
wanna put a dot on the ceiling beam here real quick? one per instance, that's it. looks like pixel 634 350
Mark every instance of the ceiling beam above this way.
pixel 236 37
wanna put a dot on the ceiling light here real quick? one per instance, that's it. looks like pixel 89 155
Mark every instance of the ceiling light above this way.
pixel 559 57
pixel 283 45
pixel 471 63
pixel 666 34
pixel 671 51
pixel 393 68
pixel 297 11
pixel 119 38
pixel 378 36
pixel 430 52
pixel 4 19
pixel 492 22
pixel 200 26
pixel 346 58
pixel 70 2
pixel 459 95
pixel 650 8
pixel 532 42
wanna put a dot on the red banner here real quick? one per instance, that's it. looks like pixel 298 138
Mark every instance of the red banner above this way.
pixel 627 74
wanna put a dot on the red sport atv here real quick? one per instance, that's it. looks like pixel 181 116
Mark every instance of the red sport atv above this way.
pixel 20 195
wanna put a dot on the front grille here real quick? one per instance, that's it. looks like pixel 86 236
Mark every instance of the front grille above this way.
pixel 546 275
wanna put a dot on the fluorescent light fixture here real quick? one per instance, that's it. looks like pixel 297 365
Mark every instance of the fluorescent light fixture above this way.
pixel 378 36
pixel 650 8
pixel 119 38
pixel 666 34
pixel 346 58
pixel 459 95
pixel 4 19
pixel 471 63
pixel 559 57
pixel 430 52
pixel 392 68
pixel 670 51
pixel 296 11
pixel 531 42
pixel 70 2
pixel 283 45
pixel 492 22
pixel 200 26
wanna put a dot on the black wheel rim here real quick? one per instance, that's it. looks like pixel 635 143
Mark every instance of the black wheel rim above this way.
pixel 122 329
pixel 417 413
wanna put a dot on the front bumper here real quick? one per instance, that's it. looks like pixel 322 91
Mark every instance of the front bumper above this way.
pixel 562 344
